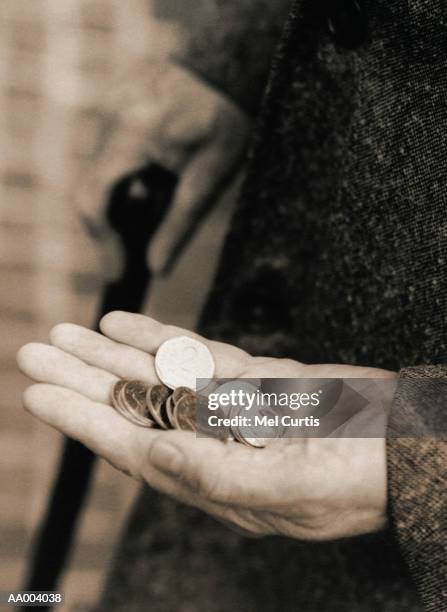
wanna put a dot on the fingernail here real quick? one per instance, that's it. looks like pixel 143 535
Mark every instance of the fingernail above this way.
pixel 167 458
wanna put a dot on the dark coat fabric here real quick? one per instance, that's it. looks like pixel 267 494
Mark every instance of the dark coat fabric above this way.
pixel 336 254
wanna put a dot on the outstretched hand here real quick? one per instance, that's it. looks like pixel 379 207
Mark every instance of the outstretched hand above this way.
pixel 312 489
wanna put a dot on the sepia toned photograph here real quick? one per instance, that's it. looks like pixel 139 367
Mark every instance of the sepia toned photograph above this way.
pixel 223 305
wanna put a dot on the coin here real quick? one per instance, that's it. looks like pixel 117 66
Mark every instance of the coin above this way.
pixel 172 401
pixel 169 411
pixel 156 398
pixel 180 361
pixel 239 390
pixel 164 415
pixel 181 392
pixel 158 406
pixel 129 399
pixel 133 396
pixel 247 435
pixel 115 393
pixel 118 400
pixel 254 442
pixel 185 412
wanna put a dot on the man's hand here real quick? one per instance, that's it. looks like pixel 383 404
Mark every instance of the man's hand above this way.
pixel 162 113
pixel 312 489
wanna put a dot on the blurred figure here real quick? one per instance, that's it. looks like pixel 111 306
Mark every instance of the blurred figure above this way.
pixel 190 112
pixel 162 113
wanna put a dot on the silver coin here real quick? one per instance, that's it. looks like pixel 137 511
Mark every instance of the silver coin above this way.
pixel 234 386
pixel 256 442
pixel 181 361
pixel 242 433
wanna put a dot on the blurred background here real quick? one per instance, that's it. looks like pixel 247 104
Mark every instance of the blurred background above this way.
pixel 56 59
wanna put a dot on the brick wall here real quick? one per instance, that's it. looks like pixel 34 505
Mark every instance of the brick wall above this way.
pixel 56 59
pixel 53 56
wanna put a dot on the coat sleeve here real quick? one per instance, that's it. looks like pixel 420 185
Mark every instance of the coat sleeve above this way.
pixel 417 478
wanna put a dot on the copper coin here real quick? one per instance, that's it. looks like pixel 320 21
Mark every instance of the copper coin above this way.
pixel 132 403
pixel 134 409
pixel 115 393
pixel 169 405
pixel 156 397
pixel 120 403
pixel 135 396
pixel 180 392
pixel 185 413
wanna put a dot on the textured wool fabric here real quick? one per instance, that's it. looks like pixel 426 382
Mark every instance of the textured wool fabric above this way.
pixel 336 253
pixel 417 476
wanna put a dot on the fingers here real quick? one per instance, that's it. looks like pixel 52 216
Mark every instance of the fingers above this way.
pixel 49 364
pixel 154 117
pixel 203 177
pixel 124 445
pixel 94 424
pixel 147 334
pixel 196 192
pixel 97 350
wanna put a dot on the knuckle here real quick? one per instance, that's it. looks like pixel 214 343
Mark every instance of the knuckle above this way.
pixel 287 362
pixel 288 367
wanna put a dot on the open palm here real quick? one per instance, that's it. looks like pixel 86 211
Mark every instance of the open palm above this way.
pixel 303 488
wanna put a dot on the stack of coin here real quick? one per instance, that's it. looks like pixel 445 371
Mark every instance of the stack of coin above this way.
pixel 181 363
pixel 245 434
pixel 248 435
pixel 129 399
pixel 159 407
pixel 155 406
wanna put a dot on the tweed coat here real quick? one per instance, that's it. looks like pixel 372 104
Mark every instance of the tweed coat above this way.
pixel 336 253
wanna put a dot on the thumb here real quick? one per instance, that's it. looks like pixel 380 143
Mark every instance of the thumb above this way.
pixel 198 463
pixel 202 179
pixel 196 193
